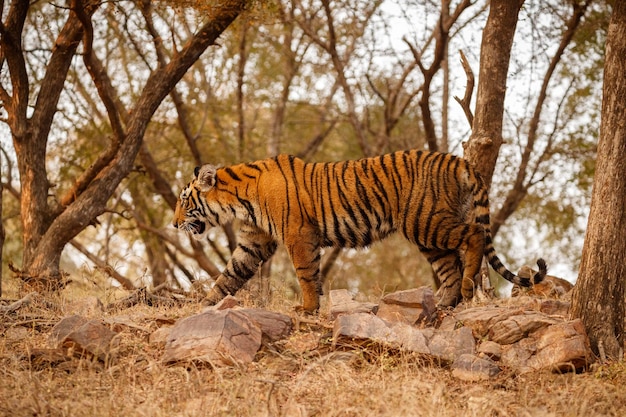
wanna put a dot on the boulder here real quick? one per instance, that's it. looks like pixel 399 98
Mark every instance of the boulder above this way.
pixel 518 326
pixel 482 319
pixel 441 345
pixel 83 337
pixel 361 326
pixel 224 337
pixel 448 345
pixel 416 306
pixel 559 347
pixel 342 302
pixel 221 338
pixel 468 367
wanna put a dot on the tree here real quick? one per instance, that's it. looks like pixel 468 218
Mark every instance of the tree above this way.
pixel 484 145
pixel 598 297
pixel 48 225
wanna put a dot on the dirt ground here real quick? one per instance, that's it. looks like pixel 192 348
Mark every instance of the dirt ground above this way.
pixel 284 380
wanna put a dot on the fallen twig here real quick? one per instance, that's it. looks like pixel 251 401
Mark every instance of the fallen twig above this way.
pixel 27 299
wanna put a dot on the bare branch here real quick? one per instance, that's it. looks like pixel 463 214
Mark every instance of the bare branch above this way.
pixel 469 90
pixel 125 282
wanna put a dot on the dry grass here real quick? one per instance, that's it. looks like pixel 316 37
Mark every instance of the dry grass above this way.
pixel 365 381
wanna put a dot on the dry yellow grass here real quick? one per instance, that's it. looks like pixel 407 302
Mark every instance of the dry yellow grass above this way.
pixel 365 381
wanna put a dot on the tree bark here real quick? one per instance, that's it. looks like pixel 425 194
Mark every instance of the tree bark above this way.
pixel 598 298
pixel 484 145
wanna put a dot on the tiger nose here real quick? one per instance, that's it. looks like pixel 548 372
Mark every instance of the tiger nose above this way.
pixel 175 224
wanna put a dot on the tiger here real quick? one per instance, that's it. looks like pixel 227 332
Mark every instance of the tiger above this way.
pixel 438 201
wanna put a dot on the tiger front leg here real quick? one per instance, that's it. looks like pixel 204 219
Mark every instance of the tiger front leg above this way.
pixel 254 248
pixel 306 261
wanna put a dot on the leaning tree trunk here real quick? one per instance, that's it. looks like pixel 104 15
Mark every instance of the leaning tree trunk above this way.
pixel 484 144
pixel 598 297
pixel 495 51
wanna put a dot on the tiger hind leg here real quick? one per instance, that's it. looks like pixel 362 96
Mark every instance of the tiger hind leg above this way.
pixel 447 266
pixel 456 259
pixel 473 248
pixel 305 255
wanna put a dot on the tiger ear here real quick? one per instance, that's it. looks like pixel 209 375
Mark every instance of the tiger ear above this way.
pixel 206 176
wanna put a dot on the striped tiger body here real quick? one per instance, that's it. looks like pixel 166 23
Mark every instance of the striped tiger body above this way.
pixel 436 200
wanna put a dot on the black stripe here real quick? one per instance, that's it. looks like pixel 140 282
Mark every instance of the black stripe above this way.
pixel 232 174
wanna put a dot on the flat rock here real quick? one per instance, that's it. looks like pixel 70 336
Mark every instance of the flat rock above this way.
pixel 482 319
pixel 274 326
pixel 342 302
pixel 63 328
pixel 559 347
pixel 518 326
pixel 409 306
pixel 447 345
pixel 362 326
pixel 441 345
pixel 468 367
pixel 221 338
pixel 409 338
pixel 489 349
pixel 224 337
pixel 83 337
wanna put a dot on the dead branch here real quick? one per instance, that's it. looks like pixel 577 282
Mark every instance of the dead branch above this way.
pixel 147 297
pixel 26 300
pixel 125 282
pixel 469 90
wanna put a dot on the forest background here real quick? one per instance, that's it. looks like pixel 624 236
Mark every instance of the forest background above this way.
pixel 325 82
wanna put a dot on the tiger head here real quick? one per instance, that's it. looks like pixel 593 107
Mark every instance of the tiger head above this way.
pixel 193 213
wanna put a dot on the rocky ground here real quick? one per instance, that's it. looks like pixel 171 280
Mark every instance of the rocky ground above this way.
pixel 400 356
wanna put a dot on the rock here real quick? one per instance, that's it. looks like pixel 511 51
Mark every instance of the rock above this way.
pixel 224 337
pixel 63 328
pixel 518 326
pixel 442 345
pixel 274 326
pixel 341 302
pixel 83 337
pixel 489 349
pixel 361 326
pixel 482 319
pixel 555 307
pixel 159 336
pixel 221 338
pixel 225 303
pixel 409 306
pixel 447 345
pixel 409 338
pixel 560 347
pixel 471 368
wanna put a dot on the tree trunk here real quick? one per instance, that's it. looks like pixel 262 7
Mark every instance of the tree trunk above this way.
pixel 1 228
pixel 598 298
pixel 484 144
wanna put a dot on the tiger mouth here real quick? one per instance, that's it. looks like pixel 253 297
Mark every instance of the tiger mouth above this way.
pixel 195 227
